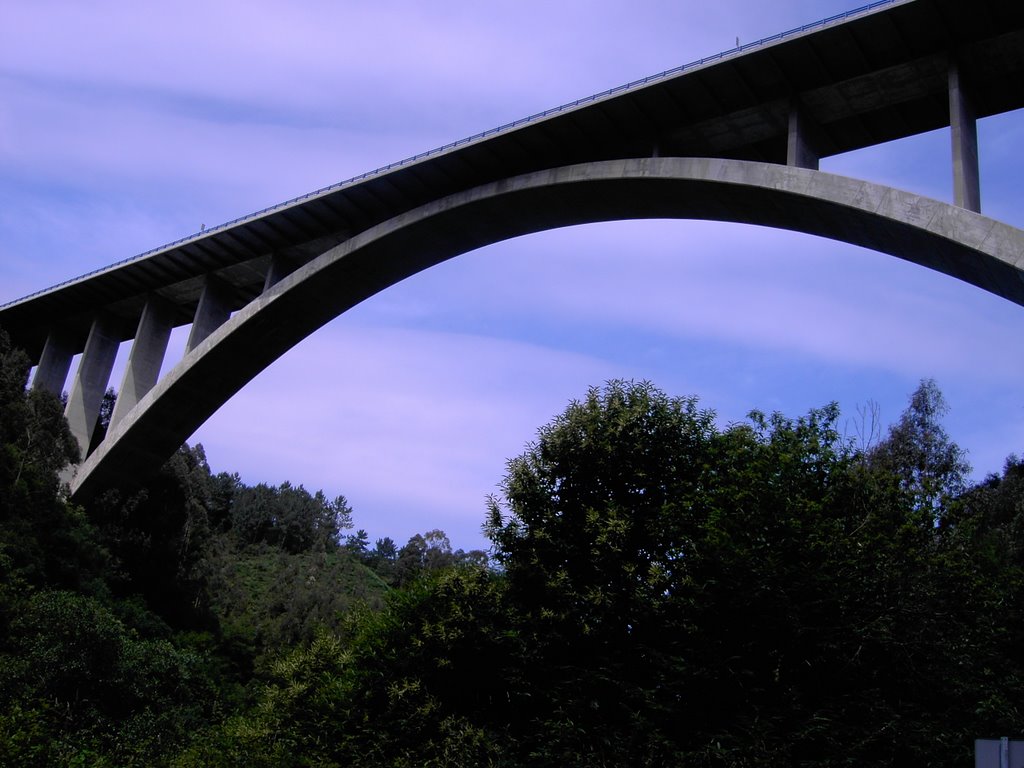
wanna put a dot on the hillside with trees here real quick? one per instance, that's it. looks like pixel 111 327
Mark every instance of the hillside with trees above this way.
pixel 661 590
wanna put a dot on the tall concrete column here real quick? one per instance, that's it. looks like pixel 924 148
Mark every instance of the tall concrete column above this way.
pixel 83 408
pixel 280 268
pixel 213 311
pixel 963 124
pixel 54 363
pixel 146 357
pixel 800 152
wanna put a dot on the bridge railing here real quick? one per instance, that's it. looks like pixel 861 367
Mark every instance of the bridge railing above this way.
pixel 479 136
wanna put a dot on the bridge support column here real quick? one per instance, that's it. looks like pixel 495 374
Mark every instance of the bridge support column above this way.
pixel 91 380
pixel 54 363
pixel 280 268
pixel 964 133
pixel 146 357
pixel 800 152
pixel 213 311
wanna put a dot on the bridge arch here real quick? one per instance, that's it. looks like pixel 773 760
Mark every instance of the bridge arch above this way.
pixel 947 238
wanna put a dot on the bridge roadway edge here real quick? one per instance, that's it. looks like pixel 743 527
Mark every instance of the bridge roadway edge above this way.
pixel 931 233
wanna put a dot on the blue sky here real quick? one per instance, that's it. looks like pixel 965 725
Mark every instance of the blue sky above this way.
pixel 124 126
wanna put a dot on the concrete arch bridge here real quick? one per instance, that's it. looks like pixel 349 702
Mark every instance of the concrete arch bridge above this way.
pixel 736 137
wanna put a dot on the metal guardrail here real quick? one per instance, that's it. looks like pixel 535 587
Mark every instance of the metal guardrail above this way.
pixel 476 137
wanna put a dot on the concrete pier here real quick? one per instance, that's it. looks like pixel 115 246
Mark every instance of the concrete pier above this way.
pixel 212 312
pixel 963 125
pixel 146 357
pixel 55 362
pixel 280 268
pixel 799 148
pixel 91 379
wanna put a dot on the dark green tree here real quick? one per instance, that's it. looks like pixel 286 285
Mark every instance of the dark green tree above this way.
pixel 288 517
pixel 404 689
pixel 43 539
pixel 78 687
pixel 919 456
pixel 752 596
pixel 35 441
pixel 358 543
pixel 103 418
pixel 428 553
pixel 85 678
pixel 158 530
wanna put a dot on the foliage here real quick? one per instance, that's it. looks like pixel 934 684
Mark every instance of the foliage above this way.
pixel 403 690
pixel 36 442
pixel 788 599
pixel 269 600
pixel 288 517
pixel 427 553
pixel 96 684
pixel 89 674
pixel 159 533
pixel 42 539
pixel 919 457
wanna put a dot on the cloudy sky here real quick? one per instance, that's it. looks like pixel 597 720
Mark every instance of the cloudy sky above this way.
pixel 124 126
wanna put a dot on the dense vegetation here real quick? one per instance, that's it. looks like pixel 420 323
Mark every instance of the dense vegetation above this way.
pixel 661 591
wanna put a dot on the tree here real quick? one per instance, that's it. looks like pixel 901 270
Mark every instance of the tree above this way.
pixel 158 530
pixel 743 582
pixel 427 553
pixel 384 551
pixel 35 441
pixel 358 543
pixel 288 517
pixel 920 456
pixel 596 517
pixel 402 689
pixel 43 538
pixel 94 686
pixel 103 418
